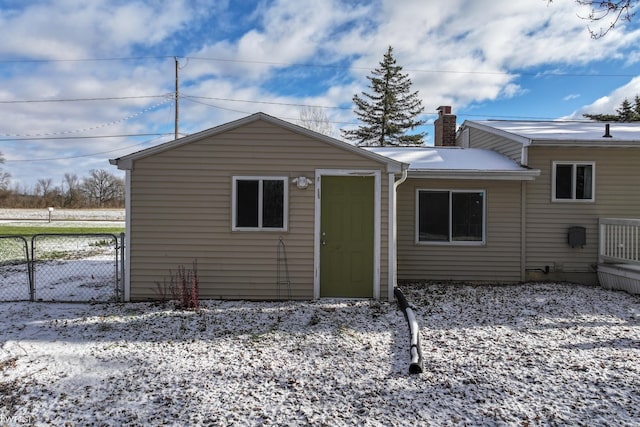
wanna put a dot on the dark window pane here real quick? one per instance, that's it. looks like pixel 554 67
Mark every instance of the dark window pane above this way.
pixel 466 216
pixel 273 203
pixel 564 176
pixel 247 203
pixel 584 182
pixel 433 223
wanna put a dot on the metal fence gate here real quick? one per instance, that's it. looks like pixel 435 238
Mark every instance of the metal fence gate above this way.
pixel 63 267
pixel 15 274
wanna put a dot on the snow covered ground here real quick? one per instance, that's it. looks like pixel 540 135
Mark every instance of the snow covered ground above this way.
pixel 61 215
pixel 534 354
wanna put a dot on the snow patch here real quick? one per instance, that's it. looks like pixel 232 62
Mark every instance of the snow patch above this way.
pixel 535 354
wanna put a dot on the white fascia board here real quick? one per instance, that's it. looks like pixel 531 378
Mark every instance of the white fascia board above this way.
pixel 122 164
pixel 528 175
pixel 585 144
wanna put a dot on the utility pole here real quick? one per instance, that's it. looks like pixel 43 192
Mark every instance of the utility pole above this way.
pixel 176 100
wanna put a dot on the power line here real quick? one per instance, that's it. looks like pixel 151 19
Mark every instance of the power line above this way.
pixel 311 65
pixel 130 58
pixel 214 106
pixel 287 104
pixel 418 70
pixel 81 137
pixel 190 98
pixel 248 113
pixel 84 155
pixel 115 122
pixel 111 98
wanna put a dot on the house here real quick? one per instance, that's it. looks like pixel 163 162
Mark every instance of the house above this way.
pixel 589 178
pixel 265 207
pixel 510 201
pixel 263 204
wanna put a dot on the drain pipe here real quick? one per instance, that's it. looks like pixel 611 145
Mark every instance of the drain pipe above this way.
pixel 393 232
pixel 416 366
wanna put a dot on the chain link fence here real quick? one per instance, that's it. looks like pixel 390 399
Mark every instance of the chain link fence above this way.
pixel 63 267
pixel 15 275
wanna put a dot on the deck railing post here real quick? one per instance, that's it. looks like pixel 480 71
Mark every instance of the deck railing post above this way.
pixel 619 241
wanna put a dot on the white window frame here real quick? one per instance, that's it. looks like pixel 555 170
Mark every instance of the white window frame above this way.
pixel 574 165
pixel 260 179
pixel 451 242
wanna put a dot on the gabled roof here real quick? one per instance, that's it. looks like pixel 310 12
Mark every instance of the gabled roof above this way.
pixel 562 133
pixel 126 162
pixel 457 163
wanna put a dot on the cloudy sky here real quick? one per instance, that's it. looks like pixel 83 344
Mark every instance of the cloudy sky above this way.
pixel 86 81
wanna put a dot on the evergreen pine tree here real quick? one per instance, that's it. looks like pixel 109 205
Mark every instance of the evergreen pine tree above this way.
pixel 625 113
pixel 390 111
pixel 636 109
pixel 602 117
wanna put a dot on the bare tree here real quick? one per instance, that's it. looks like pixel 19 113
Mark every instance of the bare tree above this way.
pixel 72 195
pixel 103 189
pixel 46 194
pixel 316 119
pixel 43 187
pixel 601 11
pixel 4 176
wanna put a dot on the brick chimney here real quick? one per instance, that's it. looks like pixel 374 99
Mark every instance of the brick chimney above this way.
pixel 445 128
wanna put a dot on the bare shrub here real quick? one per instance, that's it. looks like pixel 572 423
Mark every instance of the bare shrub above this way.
pixel 183 288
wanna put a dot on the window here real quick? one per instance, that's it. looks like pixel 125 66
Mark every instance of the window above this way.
pixel 260 203
pixel 573 181
pixel 450 216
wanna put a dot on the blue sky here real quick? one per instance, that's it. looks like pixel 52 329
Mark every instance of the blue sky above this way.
pixel 500 59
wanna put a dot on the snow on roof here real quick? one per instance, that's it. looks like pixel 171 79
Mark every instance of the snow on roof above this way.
pixel 564 130
pixel 452 160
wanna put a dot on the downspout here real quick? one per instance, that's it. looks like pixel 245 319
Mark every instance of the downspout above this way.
pixel 393 232
pixel 523 231
pixel 127 240
pixel 416 365
pixel 524 161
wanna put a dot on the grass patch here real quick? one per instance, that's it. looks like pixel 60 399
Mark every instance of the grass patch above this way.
pixel 28 231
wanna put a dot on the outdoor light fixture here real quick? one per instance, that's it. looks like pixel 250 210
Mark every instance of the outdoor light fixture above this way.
pixel 50 208
pixel 301 182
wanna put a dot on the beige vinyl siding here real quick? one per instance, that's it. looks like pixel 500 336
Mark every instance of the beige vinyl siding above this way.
pixel 181 212
pixel 489 141
pixel 617 195
pixel 497 261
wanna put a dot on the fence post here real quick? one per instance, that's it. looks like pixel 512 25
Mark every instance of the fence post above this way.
pixel 601 241
pixel 32 290
pixel 122 266
pixel 32 269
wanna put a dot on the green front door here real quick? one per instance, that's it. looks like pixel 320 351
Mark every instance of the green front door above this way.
pixel 346 236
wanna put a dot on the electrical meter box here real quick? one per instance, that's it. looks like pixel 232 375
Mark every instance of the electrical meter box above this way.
pixel 577 236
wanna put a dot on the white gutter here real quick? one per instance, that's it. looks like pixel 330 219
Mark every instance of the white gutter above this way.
pixel 127 237
pixel 506 175
pixel 393 232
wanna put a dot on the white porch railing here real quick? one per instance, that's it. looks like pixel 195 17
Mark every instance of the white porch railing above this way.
pixel 619 241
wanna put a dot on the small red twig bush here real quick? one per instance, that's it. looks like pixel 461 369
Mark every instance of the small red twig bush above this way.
pixel 183 288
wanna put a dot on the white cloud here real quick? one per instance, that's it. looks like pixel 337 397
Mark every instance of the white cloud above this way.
pixel 72 30
pixel 608 104
pixel 459 52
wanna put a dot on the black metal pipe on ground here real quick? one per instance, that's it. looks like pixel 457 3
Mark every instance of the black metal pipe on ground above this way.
pixel 416 365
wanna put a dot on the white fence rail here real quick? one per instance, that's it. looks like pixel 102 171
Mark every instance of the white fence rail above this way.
pixel 619 241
